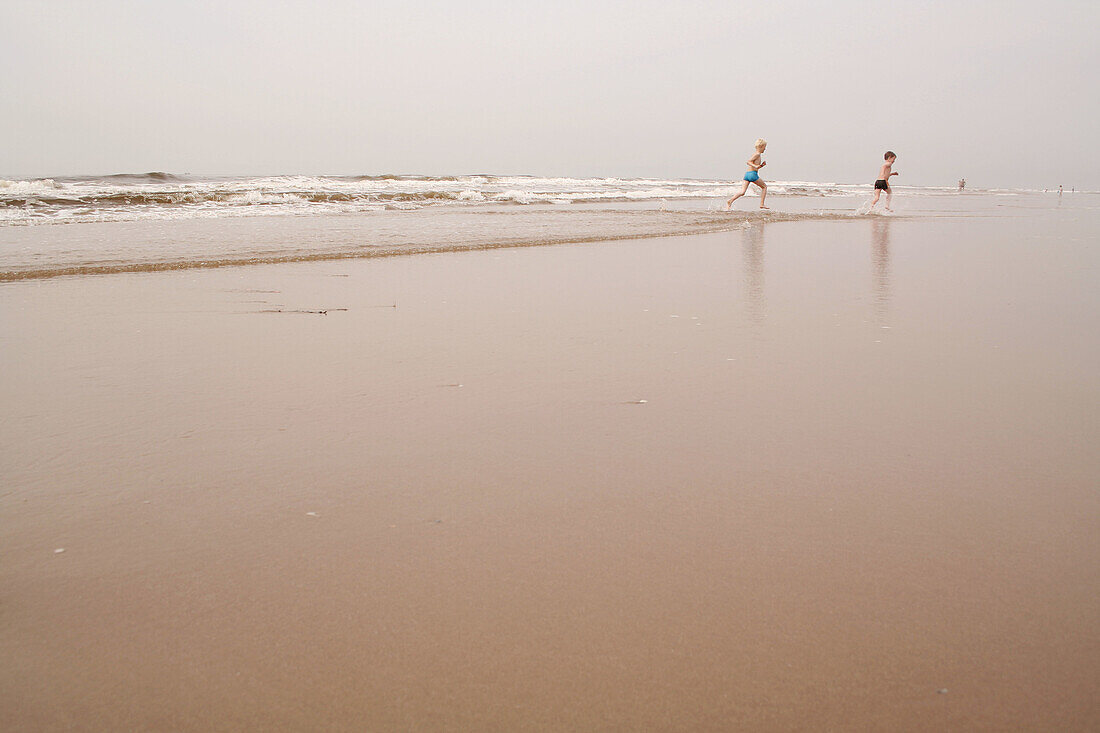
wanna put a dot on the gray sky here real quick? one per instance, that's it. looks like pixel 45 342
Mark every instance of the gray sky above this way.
pixel 1003 93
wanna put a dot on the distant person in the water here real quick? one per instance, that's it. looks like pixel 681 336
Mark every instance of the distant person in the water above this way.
pixel 755 163
pixel 962 183
pixel 883 182
pixel 1059 189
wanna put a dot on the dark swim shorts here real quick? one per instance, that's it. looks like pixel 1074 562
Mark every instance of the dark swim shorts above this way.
pixel 882 185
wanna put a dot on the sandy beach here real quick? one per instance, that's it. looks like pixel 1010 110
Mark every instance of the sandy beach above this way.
pixel 808 475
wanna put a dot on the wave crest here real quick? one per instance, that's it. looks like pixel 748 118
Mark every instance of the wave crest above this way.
pixel 157 194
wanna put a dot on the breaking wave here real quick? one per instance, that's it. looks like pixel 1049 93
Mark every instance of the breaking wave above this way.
pixel 161 195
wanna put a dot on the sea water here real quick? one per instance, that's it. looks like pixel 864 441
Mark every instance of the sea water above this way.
pixel 155 221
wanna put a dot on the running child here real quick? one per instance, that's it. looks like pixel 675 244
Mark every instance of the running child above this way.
pixel 883 182
pixel 755 163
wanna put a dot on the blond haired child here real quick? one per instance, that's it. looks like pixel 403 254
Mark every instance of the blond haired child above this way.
pixel 755 163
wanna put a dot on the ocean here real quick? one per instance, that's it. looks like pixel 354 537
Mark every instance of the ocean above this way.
pixel 156 221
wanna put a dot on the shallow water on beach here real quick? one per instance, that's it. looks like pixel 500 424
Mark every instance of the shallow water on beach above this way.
pixel 33 248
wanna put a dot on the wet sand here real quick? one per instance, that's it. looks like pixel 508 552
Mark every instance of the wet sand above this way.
pixel 809 476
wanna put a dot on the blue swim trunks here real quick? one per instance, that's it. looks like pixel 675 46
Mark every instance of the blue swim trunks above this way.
pixel 752 176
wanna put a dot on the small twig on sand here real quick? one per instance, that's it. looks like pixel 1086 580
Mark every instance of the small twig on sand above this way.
pixel 296 310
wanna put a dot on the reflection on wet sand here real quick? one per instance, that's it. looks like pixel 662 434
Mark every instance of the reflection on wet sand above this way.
pixel 880 268
pixel 752 249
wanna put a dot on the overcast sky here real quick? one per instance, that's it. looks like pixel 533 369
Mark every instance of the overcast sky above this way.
pixel 1003 93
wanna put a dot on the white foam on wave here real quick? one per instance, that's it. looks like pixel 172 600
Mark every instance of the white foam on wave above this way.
pixel 517 196
pixel 164 196
pixel 265 197
pixel 37 184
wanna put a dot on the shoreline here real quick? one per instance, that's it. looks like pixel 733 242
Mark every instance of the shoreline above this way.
pixel 739 219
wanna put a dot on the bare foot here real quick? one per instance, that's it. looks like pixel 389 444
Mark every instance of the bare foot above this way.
pixel 890 210
pixel 766 207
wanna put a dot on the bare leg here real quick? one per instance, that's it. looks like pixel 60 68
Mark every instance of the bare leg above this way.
pixel 744 187
pixel 889 198
pixel 875 199
pixel 763 193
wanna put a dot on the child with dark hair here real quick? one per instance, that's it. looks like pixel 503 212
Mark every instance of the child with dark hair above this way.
pixel 883 182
